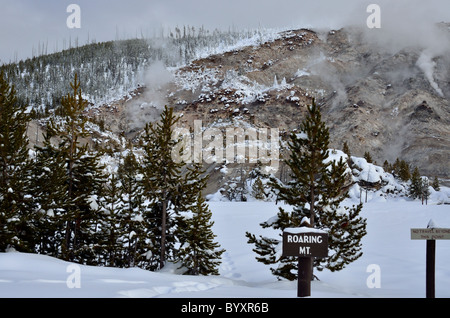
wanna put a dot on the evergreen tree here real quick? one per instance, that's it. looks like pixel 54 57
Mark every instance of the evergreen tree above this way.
pixel 161 184
pixel 396 168
pixel 107 244
pixel 415 188
pixel 198 253
pixel 16 203
pixel 425 190
pixel 161 178
pixel 167 189
pixel 404 171
pixel 87 186
pixel 315 192
pixel 131 210
pixel 84 178
pixel 346 149
pixel 435 184
pixel 50 191
pixel 258 190
pixel 387 167
pixel 368 157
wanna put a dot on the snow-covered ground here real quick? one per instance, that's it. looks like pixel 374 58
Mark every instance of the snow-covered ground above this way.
pixel 389 255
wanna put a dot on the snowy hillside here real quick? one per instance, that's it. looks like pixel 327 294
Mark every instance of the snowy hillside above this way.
pixel 111 70
pixel 388 245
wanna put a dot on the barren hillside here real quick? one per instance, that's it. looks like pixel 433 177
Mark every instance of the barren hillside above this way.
pixel 391 104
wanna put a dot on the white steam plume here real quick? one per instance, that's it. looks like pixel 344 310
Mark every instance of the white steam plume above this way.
pixel 148 107
pixel 427 65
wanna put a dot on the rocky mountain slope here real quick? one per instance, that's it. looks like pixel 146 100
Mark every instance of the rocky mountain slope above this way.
pixel 392 104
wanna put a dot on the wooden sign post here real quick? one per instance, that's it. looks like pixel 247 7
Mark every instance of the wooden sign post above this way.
pixel 305 243
pixel 430 234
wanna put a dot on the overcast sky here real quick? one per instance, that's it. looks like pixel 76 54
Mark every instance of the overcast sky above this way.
pixel 26 23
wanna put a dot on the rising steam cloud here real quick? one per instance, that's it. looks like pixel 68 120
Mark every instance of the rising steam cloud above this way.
pixel 427 65
pixel 408 25
pixel 149 106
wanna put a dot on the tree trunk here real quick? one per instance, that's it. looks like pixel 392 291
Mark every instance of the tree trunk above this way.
pixel 311 206
pixel 163 234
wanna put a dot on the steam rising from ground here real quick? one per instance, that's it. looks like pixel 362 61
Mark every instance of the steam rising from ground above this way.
pixel 405 25
pixel 148 107
pixel 410 25
pixel 428 38
pixel 427 65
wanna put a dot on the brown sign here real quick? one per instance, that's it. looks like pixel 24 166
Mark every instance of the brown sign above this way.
pixel 430 234
pixel 305 242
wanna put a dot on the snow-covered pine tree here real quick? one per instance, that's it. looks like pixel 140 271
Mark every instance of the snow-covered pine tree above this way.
pixel 107 244
pixel 50 193
pixel 415 188
pixel 84 178
pixel 168 190
pixel 16 203
pixel 198 253
pixel 387 167
pixel 316 191
pixel 87 186
pixel 396 168
pixel 435 184
pixel 425 190
pixel 404 171
pixel 346 150
pixel 162 182
pixel 195 182
pixel 131 210
pixel 258 190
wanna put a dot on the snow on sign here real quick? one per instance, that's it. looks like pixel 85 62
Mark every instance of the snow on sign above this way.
pixel 305 242
pixel 430 234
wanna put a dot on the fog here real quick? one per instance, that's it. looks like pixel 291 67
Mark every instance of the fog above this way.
pixel 28 26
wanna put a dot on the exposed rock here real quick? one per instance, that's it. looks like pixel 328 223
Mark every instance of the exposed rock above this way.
pixel 376 100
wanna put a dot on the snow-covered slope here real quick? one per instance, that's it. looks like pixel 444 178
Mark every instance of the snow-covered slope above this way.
pixel 387 246
pixel 373 98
